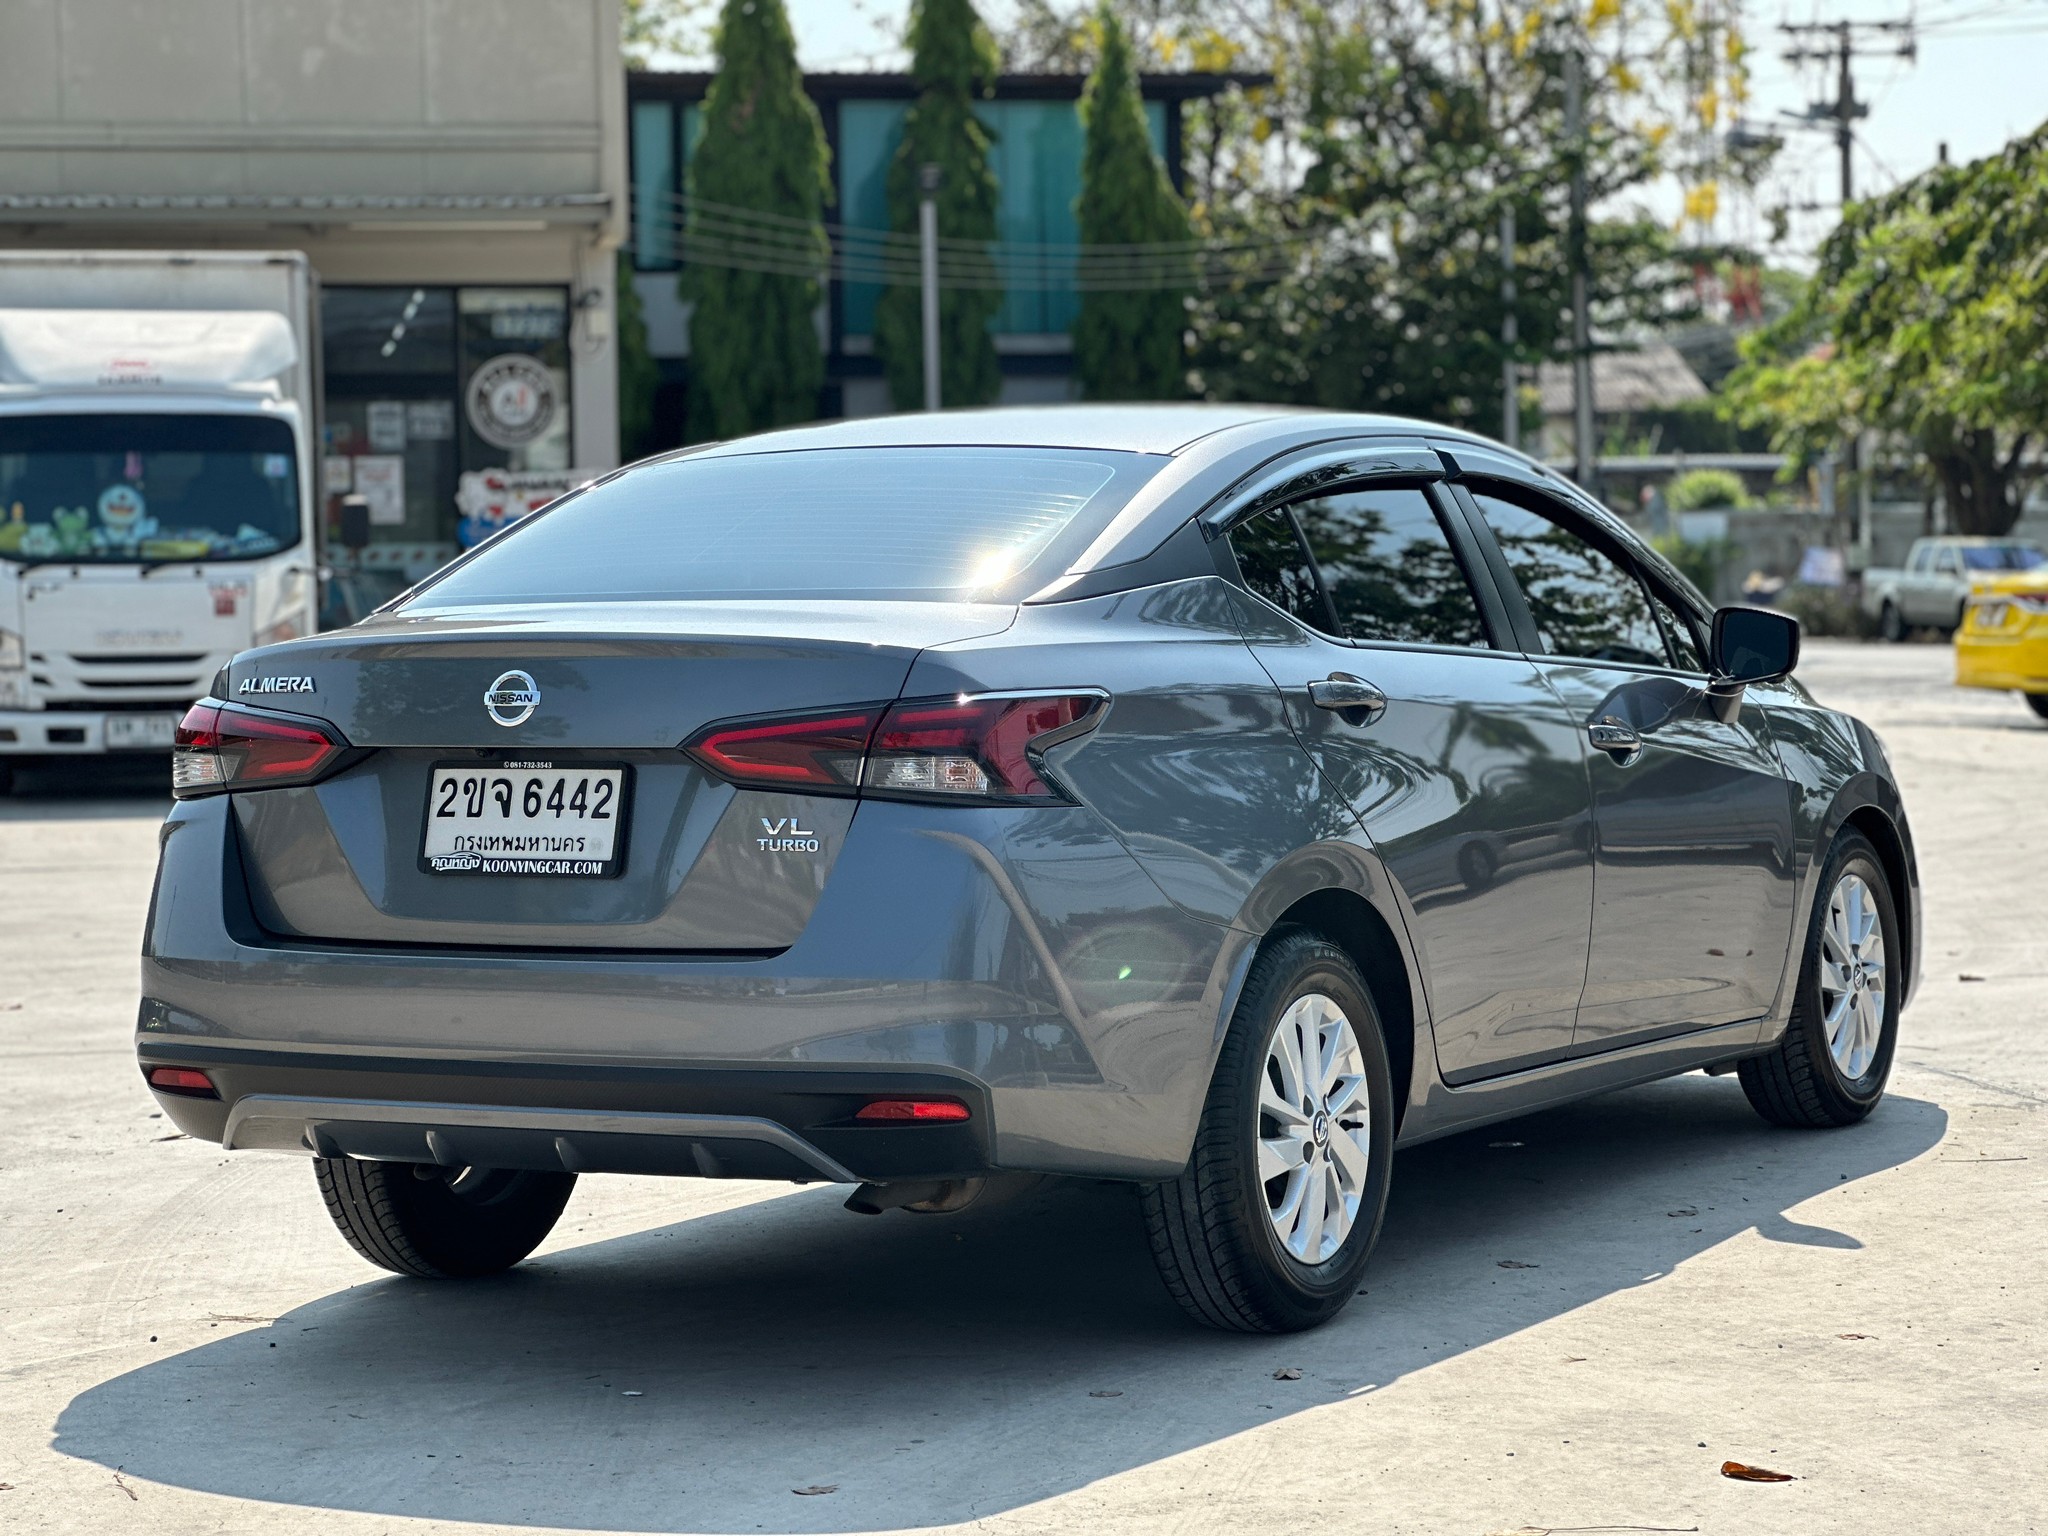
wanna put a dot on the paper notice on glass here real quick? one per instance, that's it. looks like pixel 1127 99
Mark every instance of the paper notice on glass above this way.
pixel 380 480
pixel 336 476
pixel 386 419
pixel 430 421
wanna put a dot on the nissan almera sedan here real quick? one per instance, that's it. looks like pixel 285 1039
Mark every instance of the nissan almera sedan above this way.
pixel 1209 798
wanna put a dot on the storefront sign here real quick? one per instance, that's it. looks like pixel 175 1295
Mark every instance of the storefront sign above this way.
pixel 380 480
pixel 510 400
pixel 489 499
pixel 386 421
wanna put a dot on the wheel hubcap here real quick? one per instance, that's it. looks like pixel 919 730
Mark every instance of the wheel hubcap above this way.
pixel 1314 1129
pixel 1852 976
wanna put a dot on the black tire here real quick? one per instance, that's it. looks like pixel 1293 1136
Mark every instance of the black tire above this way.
pixel 441 1223
pixel 2038 703
pixel 1211 1230
pixel 1891 623
pixel 1799 1083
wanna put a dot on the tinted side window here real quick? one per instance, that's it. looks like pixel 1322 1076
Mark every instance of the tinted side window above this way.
pixel 1273 564
pixel 1389 568
pixel 1584 604
pixel 1684 637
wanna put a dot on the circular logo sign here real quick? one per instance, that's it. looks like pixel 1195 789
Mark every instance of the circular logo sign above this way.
pixel 511 400
pixel 512 699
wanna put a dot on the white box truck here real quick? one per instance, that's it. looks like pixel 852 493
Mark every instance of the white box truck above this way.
pixel 158 451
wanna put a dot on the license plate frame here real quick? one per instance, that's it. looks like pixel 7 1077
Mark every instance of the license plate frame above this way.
pixel 508 864
pixel 155 731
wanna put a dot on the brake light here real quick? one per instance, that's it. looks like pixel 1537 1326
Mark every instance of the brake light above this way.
pixel 818 753
pixel 2033 602
pixel 962 749
pixel 975 748
pixel 926 1110
pixel 223 747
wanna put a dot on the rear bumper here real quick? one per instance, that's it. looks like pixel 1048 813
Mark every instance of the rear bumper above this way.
pixel 2020 665
pixel 1025 967
pixel 707 1122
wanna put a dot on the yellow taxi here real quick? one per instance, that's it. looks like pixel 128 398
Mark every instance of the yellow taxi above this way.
pixel 2003 639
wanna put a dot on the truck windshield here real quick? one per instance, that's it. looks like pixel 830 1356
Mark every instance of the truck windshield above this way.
pixel 2004 557
pixel 113 488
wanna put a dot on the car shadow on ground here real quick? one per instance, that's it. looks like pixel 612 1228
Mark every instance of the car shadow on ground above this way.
pixel 932 1370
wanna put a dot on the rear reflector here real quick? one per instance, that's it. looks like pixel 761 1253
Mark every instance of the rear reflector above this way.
pixel 913 1109
pixel 182 1080
pixel 223 746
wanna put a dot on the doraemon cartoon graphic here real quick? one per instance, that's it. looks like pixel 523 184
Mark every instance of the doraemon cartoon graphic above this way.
pixel 124 516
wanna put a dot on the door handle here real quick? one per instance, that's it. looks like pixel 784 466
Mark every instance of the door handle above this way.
pixel 1343 692
pixel 1617 738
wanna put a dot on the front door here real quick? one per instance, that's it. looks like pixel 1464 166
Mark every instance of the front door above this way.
pixel 1692 875
pixel 1459 761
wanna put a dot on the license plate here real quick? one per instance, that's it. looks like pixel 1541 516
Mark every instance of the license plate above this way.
pixel 141 731
pixel 524 818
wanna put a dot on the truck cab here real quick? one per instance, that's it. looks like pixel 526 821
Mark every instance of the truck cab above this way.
pixel 1930 589
pixel 155 514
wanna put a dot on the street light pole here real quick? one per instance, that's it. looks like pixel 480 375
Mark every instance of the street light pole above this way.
pixel 1510 391
pixel 1582 321
pixel 928 177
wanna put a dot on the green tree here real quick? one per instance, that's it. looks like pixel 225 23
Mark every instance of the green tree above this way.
pixel 638 373
pixel 954 62
pixel 755 356
pixel 1127 344
pixel 1927 321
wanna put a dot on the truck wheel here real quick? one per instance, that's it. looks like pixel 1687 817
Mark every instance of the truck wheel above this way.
pixel 1269 1228
pixel 441 1223
pixel 1891 623
pixel 1830 1067
pixel 2038 703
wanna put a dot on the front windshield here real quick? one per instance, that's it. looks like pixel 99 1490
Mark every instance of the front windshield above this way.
pixel 2004 557
pixel 106 489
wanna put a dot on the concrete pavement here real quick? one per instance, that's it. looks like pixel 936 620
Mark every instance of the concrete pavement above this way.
pixel 189 1347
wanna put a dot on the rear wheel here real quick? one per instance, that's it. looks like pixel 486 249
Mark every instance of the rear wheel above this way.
pixel 2038 703
pixel 441 1223
pixel 1891 623
pixel 1269 1229
pixel 1830 1068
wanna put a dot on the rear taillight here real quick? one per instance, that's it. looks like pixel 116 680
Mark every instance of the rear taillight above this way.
pixel 973 749
pixel 2033 602
pixel 223 747
pixel 970 749
pixel 920 1111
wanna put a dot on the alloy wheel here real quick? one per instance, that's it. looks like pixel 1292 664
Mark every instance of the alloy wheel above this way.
pixel 1314 1128
pixel 1852 976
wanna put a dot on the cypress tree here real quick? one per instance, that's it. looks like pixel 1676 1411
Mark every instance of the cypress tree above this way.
pixel 1127 345
pixel 755 357
pixel 638 372
pixel 953 61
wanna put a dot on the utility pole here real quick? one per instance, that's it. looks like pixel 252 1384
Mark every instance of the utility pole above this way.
pixel 1841 50
pixel 1583 468
pixel 1510 378
pixel 928 177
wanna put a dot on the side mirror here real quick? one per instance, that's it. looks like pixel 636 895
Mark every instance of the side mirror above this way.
pixel 1754 645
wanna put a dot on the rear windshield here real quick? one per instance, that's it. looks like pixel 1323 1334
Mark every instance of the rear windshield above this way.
pixel 938 524
pixel 2003 557
pixel 124 488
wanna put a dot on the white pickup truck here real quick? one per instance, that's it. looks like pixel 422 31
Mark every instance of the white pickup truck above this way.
pixel 157 451
pixel 1929 590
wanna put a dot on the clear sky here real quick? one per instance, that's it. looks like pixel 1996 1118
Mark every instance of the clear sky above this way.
pixel 1981 76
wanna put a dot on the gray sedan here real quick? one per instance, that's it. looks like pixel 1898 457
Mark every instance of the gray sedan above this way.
pixel 1209 798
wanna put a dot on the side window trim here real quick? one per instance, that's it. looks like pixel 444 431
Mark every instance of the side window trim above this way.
pixel 1584 528
pixel 1334 631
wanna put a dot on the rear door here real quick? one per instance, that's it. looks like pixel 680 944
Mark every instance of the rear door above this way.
pixel 1693 872
pixel 1458 760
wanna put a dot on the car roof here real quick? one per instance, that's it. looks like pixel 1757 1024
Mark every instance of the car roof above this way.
pixel 1160 428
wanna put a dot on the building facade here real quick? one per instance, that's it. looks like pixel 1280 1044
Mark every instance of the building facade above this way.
pixel 455 171
pixel 1036 124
